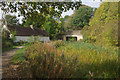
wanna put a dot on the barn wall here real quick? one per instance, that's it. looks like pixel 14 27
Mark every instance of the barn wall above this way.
pixel 78 37
pixel 30 39
pixel 47 39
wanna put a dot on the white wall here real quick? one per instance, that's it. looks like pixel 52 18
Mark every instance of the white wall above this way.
pixel 30 38
pixel 47 39
pixel 78 37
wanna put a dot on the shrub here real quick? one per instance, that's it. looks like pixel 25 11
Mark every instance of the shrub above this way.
pixel 7 43
pixel 45 61
pixel 7 39
pixel 59 43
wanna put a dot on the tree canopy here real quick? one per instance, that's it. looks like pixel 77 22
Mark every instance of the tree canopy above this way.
pixel 103 29
pixel 34 10
pixel 12 20
pixel 53 27
pixel 80 18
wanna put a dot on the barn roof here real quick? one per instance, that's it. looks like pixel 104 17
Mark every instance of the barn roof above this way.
pixel 27 31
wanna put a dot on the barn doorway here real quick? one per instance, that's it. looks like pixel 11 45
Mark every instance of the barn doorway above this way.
pixel 71 38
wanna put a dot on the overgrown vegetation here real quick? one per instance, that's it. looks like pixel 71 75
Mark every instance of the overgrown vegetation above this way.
pixel 44 61
pixel 59 43
pixel 101 62
pixel 73 60
pixel 7 43
pixel 89 58
pixel 103 29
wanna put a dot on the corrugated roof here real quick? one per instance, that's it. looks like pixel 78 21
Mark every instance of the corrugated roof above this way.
pixel 27 31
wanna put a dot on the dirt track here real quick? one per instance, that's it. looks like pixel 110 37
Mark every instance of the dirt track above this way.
pixel 7 68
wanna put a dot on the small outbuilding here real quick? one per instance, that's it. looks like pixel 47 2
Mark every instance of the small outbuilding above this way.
pixel 74 35
pixel 28 33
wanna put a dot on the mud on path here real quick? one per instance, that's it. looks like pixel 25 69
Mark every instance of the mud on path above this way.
pixel 9 70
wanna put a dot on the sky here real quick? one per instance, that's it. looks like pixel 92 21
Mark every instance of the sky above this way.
pixel 90 3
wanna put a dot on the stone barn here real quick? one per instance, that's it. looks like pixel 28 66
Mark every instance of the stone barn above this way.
pixel 27 34
pixel 74 34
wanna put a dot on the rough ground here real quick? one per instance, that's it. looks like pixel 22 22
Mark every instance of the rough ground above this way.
pixel 9 70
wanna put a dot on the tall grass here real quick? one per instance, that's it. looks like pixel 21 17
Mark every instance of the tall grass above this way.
pixel 100 61
pixel 70 60
pixel 45 61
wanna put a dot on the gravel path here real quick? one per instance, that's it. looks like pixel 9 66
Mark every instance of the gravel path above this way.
pixel 6 66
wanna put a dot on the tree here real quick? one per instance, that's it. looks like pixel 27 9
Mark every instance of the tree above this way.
pixel 12 20
pixel 65 18
pixel 63 21
pixel 53 27
pixel 80 18
pixel 103 29
pixel 37 20
pixel 34 10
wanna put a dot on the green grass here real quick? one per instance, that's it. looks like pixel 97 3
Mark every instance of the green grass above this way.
pixel 18 56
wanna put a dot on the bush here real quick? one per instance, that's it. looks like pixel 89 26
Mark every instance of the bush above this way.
pixel 59 43
pixel 7 42
pixel 44 61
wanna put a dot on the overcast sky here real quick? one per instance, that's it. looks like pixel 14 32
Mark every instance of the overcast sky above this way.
pixel 90 3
